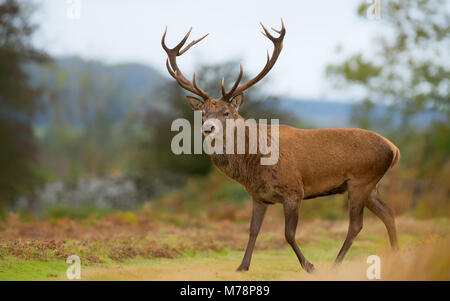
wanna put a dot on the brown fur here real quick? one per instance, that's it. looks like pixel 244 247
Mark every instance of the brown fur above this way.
pixel 311 163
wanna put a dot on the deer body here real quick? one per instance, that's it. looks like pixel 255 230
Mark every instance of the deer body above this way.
pixel 311 163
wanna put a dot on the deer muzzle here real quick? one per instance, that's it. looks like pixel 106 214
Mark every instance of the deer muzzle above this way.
pixel 208 128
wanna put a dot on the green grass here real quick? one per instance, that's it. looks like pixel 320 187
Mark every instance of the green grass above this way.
pixel 12 268
pixel 268 264
pixel 422 244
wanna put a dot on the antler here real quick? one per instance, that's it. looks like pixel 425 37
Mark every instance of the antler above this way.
pixel 173 67
pixel 278 45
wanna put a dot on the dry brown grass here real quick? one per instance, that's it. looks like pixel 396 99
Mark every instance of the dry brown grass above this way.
pixel 149 234
pixel 428 260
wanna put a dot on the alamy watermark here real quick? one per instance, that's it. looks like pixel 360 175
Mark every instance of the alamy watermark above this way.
pixel 239 136
pixel 373 11
pixel 74 270
pixel 73 9
pixel 374 270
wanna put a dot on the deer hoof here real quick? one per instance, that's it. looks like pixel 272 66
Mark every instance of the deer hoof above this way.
pixel 241 269
pixel 309 267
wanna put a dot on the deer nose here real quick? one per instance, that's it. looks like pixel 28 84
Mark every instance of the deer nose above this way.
pixel 208 128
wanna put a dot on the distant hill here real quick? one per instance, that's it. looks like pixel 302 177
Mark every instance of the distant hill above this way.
pixel 325 114
pixel 319 113
pixel 86 86
pixel 81 87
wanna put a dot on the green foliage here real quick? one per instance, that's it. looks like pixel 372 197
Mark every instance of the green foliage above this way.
pixel 18 102
pixel 216 193
pixel 84 212
pixel 232 192
pixel 355 69
pixel 408 70
pixel 32 270
pixel 81 134
pixel 326 208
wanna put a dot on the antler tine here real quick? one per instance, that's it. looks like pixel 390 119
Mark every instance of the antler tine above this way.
pixel 276 30
pixel 227 95
pixel 184 85
pixel 223 88
pixel 163 40
pixel 192 44
pixel 172 67
pixel 282 27
pixel 178 47
pixel 195 85
pixel 174 71
pixel 266 32
pixel 271 60
pixel 281 32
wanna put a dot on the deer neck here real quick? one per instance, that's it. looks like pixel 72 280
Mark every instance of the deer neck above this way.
pixel 240 167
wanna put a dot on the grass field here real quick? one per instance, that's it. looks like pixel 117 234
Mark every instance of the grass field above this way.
pixel 149 245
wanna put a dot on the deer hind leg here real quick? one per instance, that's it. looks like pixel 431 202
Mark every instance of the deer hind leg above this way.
pixel 357 196
pixel 291 207
pixel 258 213
pixel 382 210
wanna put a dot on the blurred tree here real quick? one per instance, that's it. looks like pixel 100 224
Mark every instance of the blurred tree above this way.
pixel 154 166
pixel 409 70
pixel 81 134
pixel 18 102
pixel 90 144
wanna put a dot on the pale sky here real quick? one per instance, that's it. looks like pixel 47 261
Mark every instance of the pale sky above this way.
pixel 130 31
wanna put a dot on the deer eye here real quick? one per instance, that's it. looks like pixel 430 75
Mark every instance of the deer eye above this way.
pixel 226 114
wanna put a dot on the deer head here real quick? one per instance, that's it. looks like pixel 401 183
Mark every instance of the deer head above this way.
pixel 227 106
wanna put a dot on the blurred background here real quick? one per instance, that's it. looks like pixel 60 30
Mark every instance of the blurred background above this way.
pixel 86 106
pixel 86 102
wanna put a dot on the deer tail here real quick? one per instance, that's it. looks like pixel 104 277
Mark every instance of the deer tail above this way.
pixel 396 157
pixel 395 152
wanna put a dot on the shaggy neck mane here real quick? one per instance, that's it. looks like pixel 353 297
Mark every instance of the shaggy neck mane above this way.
pixel 243 168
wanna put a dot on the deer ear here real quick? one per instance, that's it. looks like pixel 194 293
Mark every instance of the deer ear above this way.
pixel 196 104
pixel 237 101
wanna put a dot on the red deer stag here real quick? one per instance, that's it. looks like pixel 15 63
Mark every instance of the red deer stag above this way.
pixel 312 163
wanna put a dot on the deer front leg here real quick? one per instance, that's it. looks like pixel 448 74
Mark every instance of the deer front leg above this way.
pixel 259 211
pixel 291 207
